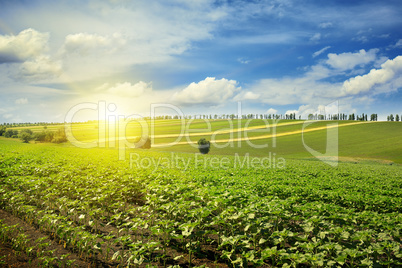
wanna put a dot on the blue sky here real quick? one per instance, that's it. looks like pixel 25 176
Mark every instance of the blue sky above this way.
pixel 201 56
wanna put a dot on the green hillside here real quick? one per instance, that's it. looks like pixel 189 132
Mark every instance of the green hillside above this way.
pixel 357 141
pixel 373 141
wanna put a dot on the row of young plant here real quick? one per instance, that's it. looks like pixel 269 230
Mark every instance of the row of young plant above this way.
pixel 34 249
pixel 302 215
pixel 42 200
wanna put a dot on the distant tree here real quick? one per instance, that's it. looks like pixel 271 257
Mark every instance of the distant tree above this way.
pixel 397 118
pixel 8 133
pixel 26 135
pixel 44 136
pixel 2 130
pixel 204 146
pixel 25 130
pixel 11 133
pixel 391 117
pixel 59 136
pixel 388 118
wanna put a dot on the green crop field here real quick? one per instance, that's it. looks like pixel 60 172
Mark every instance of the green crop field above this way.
pixel 238 206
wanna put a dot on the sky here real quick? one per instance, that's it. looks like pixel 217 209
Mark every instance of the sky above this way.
pixel 74 59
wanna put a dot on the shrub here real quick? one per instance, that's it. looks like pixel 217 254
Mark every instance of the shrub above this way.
pixel 2 130
pixel 26 135
pixel 59 136
pixel 59 139
pixel 204 146
pixel 28 131
pixel 11 133
pixel 44 136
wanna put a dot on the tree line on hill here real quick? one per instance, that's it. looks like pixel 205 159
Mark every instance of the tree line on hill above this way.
pixel 288 116
pixel 29 124
pixel 27 135
pixel 392 118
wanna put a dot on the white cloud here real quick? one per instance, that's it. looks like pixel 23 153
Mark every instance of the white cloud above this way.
pixel 105 39
pixel 399 43
pixel 128 90
pixel 319 52
pixel 333 107
pixel 84 43
pixel 246 95
pixel 347 61
pixel 387 76
pixel 292 112
pixel 27 44
pixel 271 111
pixel 315 37
pixel 314 88
pixel 42 67
pixel 208 91
pixel 21 101
pixel 243 60
pixel 251 96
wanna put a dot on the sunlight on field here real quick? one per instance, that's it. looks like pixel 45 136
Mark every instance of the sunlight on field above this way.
pixel 284 137
pixel 158 207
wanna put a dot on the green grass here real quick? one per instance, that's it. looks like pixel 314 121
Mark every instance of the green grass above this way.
pixel 379 141
pixel 373 141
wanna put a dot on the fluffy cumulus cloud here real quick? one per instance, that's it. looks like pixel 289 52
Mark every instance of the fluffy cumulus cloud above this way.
pixel 347 61
pixel 26 45
pixel 333 107
pixel 84 43
pixel 271 111
pixel 246 95
pixel 208 91
pixel 387 78
pixel 288 91
pixel 314 88
pixel 128 90
pixel 41 67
